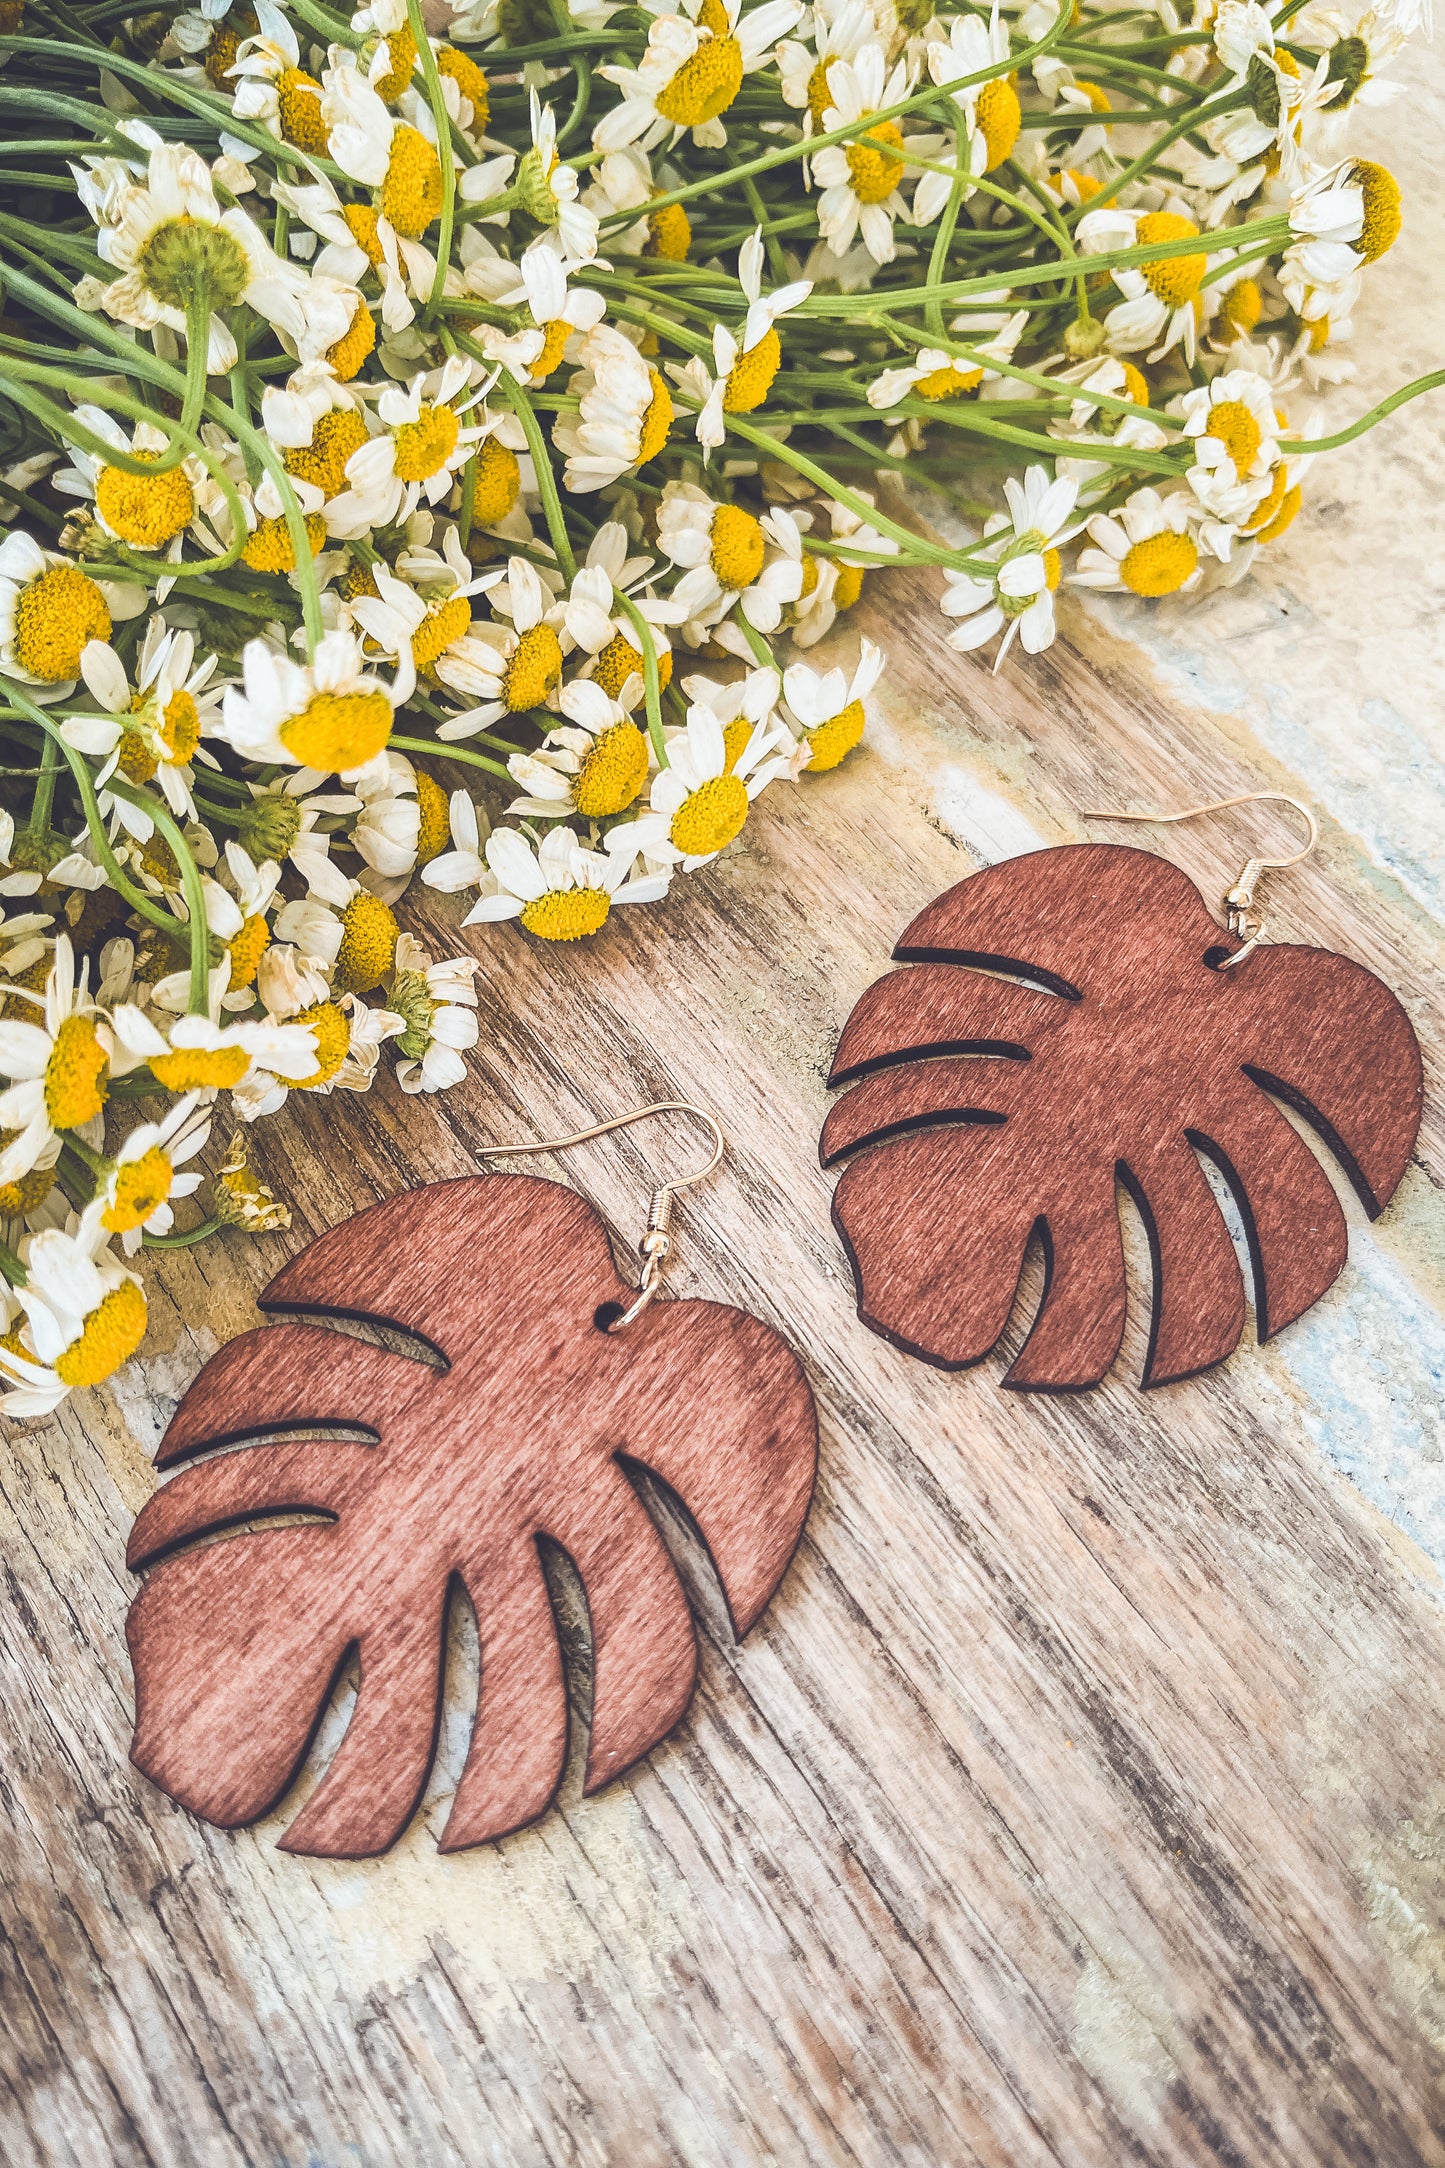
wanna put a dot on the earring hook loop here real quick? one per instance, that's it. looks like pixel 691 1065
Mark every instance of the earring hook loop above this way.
pixel 657 1241
pixel 1243 920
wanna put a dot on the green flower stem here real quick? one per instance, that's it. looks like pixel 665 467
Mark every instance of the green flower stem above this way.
pixel 333 28
pixel 11 1266
pixel 1065 394
pixel 264 452
pixel 431 76
pixel 443 749
pixel 650 679
pixel 180 1242
pixel 1302 447
pixel 537 445
pixel 44 798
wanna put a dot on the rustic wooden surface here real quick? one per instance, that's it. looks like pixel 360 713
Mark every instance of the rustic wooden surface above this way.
pixel 1078 1799
pixel 450 1474
pixel 989 1109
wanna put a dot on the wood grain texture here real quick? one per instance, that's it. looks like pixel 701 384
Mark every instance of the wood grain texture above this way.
pixel 523 1434
pixel 1076 1802
pixel 1121 1046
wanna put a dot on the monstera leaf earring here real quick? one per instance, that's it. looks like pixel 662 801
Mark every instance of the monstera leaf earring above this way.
pixel 1077 1018
pixel 537 1381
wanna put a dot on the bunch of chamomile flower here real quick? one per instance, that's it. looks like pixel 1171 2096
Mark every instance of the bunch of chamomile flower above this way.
pixel 432 438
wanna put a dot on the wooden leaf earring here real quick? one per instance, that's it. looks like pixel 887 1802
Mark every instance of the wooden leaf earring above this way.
pixel 546 1379
pixel 1075 1018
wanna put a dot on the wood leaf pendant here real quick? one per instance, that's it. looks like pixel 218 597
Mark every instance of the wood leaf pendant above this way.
pixel 430 1469
pixel 1062 1025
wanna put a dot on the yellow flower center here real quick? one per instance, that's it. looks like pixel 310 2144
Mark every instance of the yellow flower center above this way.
pixel 554 343
pixel 112 1334
pixel 848 586
pixel 424 446
pixel 1135 384
pixel 179 729
pixel 831 740
pixel 751 376
pixel 470 81
pixel 246 949
pixel 1380 191
pixel 354 347
pixel 338 433
pixel 705 85
pixel 434 829
pixel 141 1187
pixel 948 383
pixel 820 97
pixel 810 579
pixel 499 478
pixel 359 579
pixel 1175 279
pixel 333 1042
pixel 669 234
pixel 55 616
pixel 411 194
pixel 361 218
pixel 534 671
pixel 1160 564
pixel 221 55
pixel 735 742
pixel 145 509
pixel 1000 117
pixel 567 914
pixel 1288 506
pixel 710 816
pixel 1242 308
pixel 201 1068
pixel 75 1075
pixel 298 98
pixel 713 16
pixel 338 731
pixel 1232 425
pixel 401 52
pixel 738 546
pixel 613 772
pixel 1097 96
pixel 368 944
pixel 875 175
pixel 444 624
pixel 656 422
pixel 617 662
pixel 31 1190
pixel 270 548
pixel 133 756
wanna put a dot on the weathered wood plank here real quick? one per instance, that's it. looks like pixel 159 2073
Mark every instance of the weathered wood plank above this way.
pixel 1078 1798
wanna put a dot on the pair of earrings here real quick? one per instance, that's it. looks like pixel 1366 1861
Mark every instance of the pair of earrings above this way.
pixel 1062 1022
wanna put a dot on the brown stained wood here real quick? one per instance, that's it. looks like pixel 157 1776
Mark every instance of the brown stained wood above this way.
pixel 987 1110
pixel 236 1643
pixel 1077 1800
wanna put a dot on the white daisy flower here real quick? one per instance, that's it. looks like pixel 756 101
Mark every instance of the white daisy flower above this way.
pixel 745 367
pixel 438 1001
pixel 1160 305
pixel 463 866
pixel 399 619
pixel 803 69
pixel 281 823
pixel 170 240
pixel 559 315
pixel 328 715
pixel 372 146
pixel 860 181
pixel 421 445
pixel 724 550
pixel 560 891
pixel 1145 548
pixel 49 611
pixel 827 707
pixel 700 800
pixel 273 88
pixel 548 190
pixel 624 414
pixel 506 668
pixel 138 1185
pixel 153 733
pixel 85 1316
pixel 935 375
pixel 59 1065
pixel 145 511
pixel 1023 546
pixel 692 72
pixel 1233 424
pixel 595 764
pixel 355 246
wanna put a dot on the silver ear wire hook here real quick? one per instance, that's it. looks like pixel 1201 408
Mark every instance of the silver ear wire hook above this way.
pixel 657 1241
pixel 1244 922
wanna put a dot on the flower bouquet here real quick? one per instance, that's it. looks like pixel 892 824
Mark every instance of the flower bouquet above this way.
pixel 432 437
